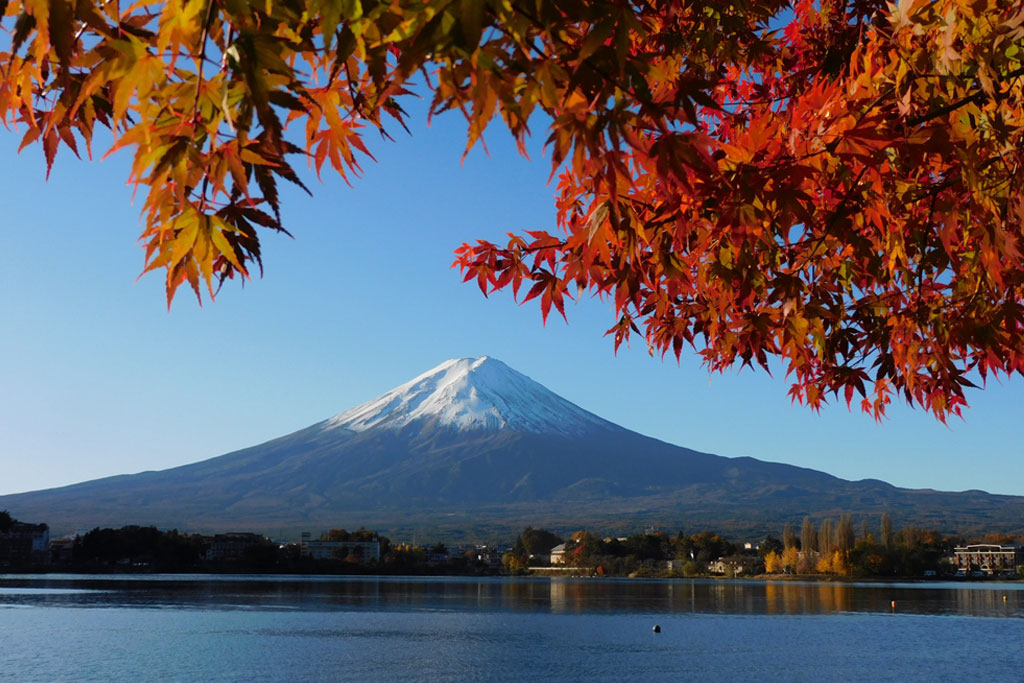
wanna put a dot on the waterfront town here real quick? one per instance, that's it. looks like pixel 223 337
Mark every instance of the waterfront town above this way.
pixel 825 550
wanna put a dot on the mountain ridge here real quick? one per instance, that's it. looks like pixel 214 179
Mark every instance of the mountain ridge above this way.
pixel 474 444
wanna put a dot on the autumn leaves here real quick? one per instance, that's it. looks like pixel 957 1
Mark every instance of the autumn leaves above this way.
pixel 835 197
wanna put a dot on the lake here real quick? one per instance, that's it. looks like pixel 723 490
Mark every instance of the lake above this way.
pixel 299 628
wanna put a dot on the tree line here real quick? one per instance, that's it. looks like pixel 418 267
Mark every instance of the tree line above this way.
pixel 830 547
pixel 148 549
pixel 840 548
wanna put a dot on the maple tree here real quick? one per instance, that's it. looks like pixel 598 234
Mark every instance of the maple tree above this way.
pixel 828 185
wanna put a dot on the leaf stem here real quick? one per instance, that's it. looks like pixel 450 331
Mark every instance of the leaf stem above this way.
pixel 202 57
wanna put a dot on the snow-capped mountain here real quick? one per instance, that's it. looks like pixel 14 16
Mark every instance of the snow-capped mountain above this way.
pixel 472 393
pixel 474 448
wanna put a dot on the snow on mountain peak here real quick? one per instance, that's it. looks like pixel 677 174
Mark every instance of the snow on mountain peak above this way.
pixel 471 393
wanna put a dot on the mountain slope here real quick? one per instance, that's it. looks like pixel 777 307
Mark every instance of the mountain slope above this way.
pixel 472 447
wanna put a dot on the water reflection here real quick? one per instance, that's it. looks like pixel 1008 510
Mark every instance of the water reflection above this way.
pixel 549 595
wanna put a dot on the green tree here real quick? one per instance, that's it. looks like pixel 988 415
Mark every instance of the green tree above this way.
pixel 691 568
pixel 536 541
pixel 363 535
pixel 870 559
pixel 133 544
pixel 360 535
pixel 704 547
pixel 404 558
pixel 513 563
pixel 646 547
pixel 770 544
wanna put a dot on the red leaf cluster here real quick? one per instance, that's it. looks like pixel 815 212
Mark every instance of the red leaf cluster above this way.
pixel 831 187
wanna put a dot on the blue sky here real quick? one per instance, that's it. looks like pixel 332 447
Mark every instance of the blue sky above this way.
pixel 100 379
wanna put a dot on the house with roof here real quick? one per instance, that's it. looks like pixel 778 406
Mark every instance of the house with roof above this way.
pixel 558 554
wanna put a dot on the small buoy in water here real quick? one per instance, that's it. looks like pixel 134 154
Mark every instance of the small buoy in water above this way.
pixel 656 629
pixel 894 604
pixel 1004 598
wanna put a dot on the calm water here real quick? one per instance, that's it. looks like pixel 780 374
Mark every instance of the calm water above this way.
pixel 242 628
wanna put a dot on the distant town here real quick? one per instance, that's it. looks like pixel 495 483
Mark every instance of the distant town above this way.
pixel 826 549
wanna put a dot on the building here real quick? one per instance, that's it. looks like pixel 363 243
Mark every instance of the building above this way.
pixel 437 557
pixel 62 549
pixel 675 565
pixel 23 543
pixel 558 554
pixel 489 555
pixel 233 546
pixel 734 565
pixel 361 551
pixel 988 558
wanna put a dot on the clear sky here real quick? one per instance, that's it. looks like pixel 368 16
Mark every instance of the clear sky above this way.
pixel 98 378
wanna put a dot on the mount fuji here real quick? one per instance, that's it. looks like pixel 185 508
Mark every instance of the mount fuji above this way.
pixel 473 449
pixel 469 394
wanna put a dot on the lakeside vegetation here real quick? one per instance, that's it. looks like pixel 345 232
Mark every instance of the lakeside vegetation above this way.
pixel 828 549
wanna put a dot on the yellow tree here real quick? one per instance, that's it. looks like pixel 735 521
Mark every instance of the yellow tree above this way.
pixel 839 563
pixel 790 558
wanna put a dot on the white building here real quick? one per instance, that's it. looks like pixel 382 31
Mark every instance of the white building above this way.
pixel 988 558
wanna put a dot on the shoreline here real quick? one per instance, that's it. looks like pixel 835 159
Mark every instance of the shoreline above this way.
pixel 768 578
pixel 758 579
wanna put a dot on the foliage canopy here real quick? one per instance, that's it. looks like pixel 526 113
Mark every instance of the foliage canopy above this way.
pixel 830 184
